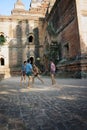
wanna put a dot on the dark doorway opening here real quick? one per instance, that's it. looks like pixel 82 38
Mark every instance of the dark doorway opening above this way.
pixel 2 61
pixel 32 60
pixel 30 39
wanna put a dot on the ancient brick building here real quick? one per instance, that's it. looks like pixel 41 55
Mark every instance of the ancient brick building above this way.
pixel 21 33
pixel 65 37
pixel 49 29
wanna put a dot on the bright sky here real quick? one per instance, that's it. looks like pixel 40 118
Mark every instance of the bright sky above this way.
pixel 6 6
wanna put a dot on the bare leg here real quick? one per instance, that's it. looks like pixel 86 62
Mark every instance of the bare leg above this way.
pixel 53 79
pixel 24 78
pixel 33 79
pixel 29 81
pixel 38 76
pixel 21 80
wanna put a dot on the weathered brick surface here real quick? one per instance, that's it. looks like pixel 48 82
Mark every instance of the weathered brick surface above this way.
pixel 65 31
pixel 64 22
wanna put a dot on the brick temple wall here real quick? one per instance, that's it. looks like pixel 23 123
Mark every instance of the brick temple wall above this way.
pixel 63 28
pixel 65 25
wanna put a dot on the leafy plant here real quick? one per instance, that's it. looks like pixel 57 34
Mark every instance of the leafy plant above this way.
pixel 51 30
pixel 2 40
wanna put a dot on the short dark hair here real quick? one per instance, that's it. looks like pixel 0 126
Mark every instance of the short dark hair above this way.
pixel 51 59
pixel 24 62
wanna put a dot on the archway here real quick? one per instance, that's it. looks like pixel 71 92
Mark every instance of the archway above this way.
pixel 2 61
pixel 30 38
pixel 32 60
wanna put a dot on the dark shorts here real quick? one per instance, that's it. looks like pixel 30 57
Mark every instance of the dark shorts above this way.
pixel 23 73
pixel 29 73
pixel 36 75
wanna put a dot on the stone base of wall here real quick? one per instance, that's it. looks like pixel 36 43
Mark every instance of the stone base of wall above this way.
pixel 75 69
pixel 4 72
pixel 16 71
pixel 1 76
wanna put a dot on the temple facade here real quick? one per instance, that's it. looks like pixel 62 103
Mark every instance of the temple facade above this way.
pixel 47 30
pixel 20 32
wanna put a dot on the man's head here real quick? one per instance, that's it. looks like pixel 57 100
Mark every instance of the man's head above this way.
pixel 34 65
pixel 28 61
pixel 24 62
pixel 51 60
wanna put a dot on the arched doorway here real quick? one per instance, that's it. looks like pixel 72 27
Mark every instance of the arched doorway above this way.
pixel 32 60
pixel 30 39
pixel 2 62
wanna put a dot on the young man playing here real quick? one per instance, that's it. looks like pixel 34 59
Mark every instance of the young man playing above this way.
pixel 36 73
pixel 52 72
pixel 29 72
pixel 23 72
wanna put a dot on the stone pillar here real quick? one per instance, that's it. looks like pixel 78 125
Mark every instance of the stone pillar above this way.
pixel 81 6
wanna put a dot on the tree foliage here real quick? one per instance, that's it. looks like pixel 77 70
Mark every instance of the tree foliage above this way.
pixel 2 40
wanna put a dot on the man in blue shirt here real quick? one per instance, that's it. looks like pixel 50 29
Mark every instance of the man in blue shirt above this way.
pixel 29 71
pixel 23 72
